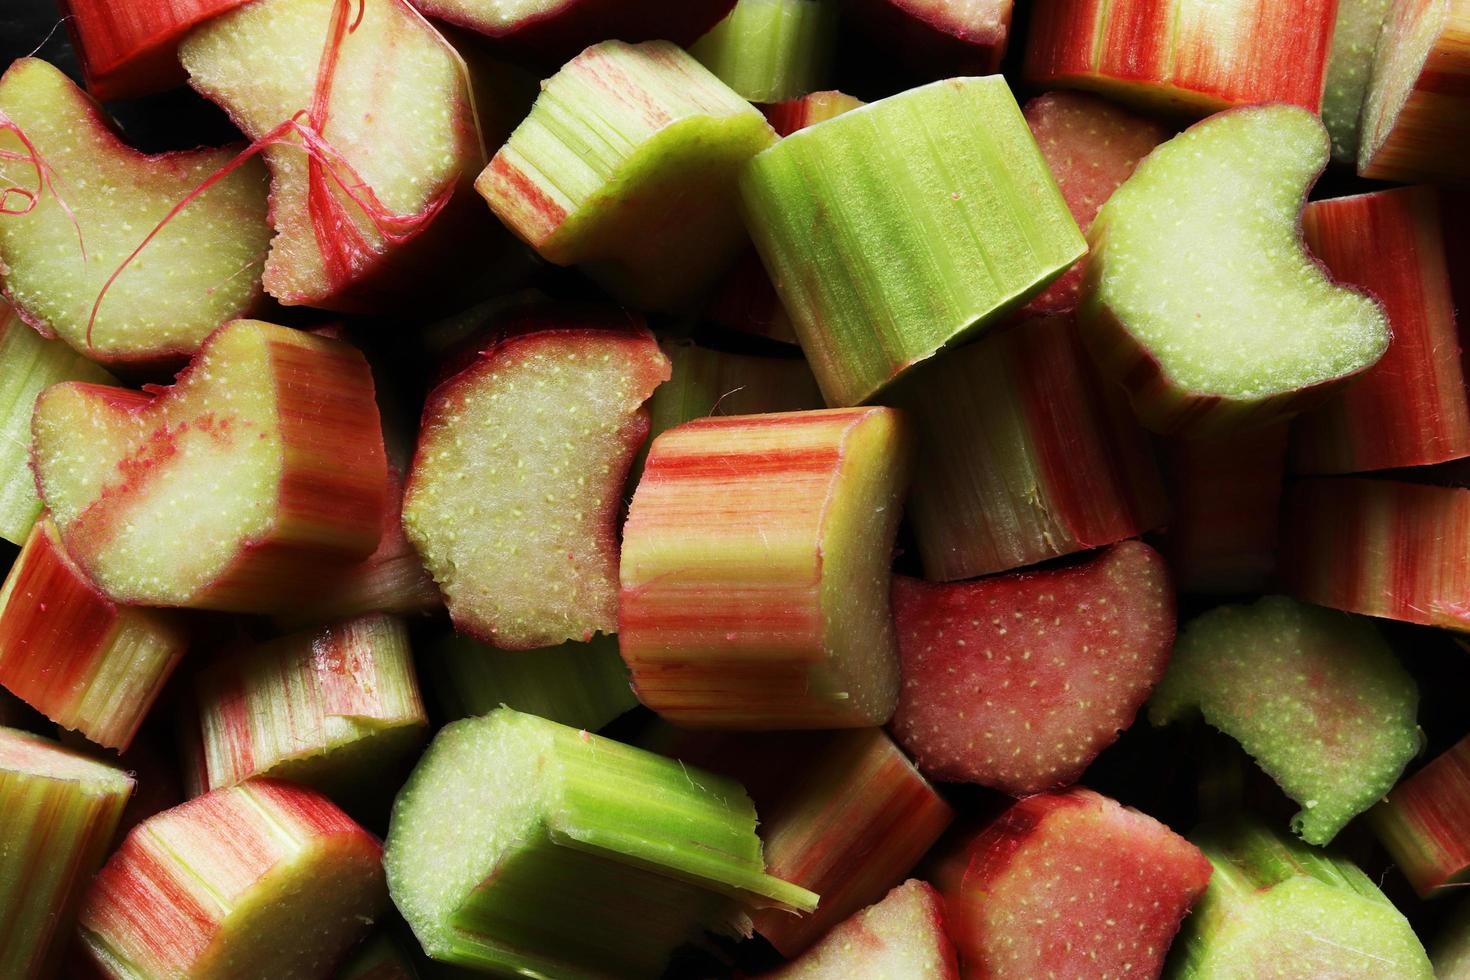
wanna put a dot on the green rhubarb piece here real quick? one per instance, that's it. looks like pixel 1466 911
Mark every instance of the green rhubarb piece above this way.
pixel 1450 951
pixel 1349 67
pixel 58 812
pixel 1200 295
pixel 28 363
pixel 1314 695
pixel 584 685
pixel 627 167
pixel 522 845
pixel 1278 908
pixel 905 225
pixel 771 50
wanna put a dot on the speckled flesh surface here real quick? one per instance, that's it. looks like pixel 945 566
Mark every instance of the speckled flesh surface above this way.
pixel 900 938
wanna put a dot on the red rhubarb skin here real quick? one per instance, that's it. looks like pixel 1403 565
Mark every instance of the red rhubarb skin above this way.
pixel 1430 806
pixel 861 946
pixel 1411 408
pixel 1069 885
pixel 940 43
pixel 130 48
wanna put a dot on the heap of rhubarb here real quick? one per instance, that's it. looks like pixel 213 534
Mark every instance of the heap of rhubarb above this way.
pixel 517 481
pixel 73 654
pixel 755 570
pixel 771 50
pixel 265 879
pixel 937 37
pixel 521 845
pixel 883 257
pixel 1349 69
pixel 60 811
pixel 1024 455
pixel 626 167
pixel 1200 297
pixel 1188 56
pixel 366 119
pixel 1422 823
pixel 1068 885
pixel 901 936
pixel 80 202
pixel 1412 407
pixel 1018 682
pixel 132 49
pixel 238 488
pixel 1276 907
pixel 1315 696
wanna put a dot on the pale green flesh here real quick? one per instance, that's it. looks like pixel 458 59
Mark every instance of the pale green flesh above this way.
pixel 1409 34
pixel 1199 257
pixel 771 50
pixel 1451 949
pixel 1349 67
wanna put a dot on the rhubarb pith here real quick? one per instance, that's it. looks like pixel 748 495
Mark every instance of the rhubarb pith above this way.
pixel 771 50
pixel 755 570
pixel 626 167
pixel 1025 455
pixel 905 225
pixel 90 201
pixel 28 364
pixel 937 37
pixel 265 879
pixel 61 809
pixel 1200 297
pixel 1411 408
pixel 131 49
pixel 1349 70
pixel 1276 907
pixel 900 937
pixel 1189 56
pixel 518 476
pixel 1314 695
pixel 266 457
pixel 74 655
pixel 522 845
pixel 1422 824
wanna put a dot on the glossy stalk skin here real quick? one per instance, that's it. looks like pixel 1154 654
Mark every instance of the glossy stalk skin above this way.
pixel 933 37
pixel 1422 824
pixel 131 49
pixel 771 50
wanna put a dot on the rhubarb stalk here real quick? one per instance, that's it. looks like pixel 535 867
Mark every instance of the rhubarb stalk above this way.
pixel 1422 824
pixel 771 50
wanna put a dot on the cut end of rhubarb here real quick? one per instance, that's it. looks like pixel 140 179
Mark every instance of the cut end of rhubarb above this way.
pixel 1419 823
pixel 1349 69
pixel 901 936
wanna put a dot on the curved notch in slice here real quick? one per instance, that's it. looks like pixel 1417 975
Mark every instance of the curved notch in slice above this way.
pixel 517 480
pixel 85 201
pixel 901 936
pixel 237 488
pixel 1200 297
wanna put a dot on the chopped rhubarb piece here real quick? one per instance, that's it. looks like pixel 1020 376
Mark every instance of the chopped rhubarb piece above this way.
pixel 1025 455
pixel 881 257
pixel 517 482
pixel 329 709
pixel 81 202
pixel 28 364
pixel 1091 147
pixel 265 879
pixel 627 167
pixel 1417 110
pixel 1226 498
pixel 1380 548
pixel 770 50
pixel 1191 56
pixel 1422 824
pixel 265 457
pixel 131 49
pixel 755 570
pixel 901 936
pixel 1200 297
pixel 60 810
pixel 521 845
pixel 1349 69
pixel 1412 407
pixel 584 685
pixel 793 114
pixel 1314 695
pixel 369 132
pixel 1069 885
pixel 1451 950
pixel 73 654
pixel 1018 682
pixel 1279 908
pixel 937 37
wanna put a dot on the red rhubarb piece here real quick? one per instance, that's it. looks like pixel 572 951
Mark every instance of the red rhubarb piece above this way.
pixel 938 37
pixel 1423 824
pixel 132 48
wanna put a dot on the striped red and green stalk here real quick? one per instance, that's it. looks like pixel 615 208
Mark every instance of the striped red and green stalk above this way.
pixel 1422 824
pixel 1412 407
pixel 755 570
pixel 1379 547
pixel 771 50
pixel 1225 495
pixel 937 37
pixel 76 656
pixel 1184 56
pixel 264 879
pixel 1025 455
pixel 131 49
pixel 60 812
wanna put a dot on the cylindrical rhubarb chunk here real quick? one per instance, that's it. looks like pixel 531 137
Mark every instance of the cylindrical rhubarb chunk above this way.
pixel 1191 56
pixel 1423 824
pixel 771 50
pixel 58 812
pixel 131 49
pixel 264 879
pixel 73 654
pixel 906 225
pixel 755 570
